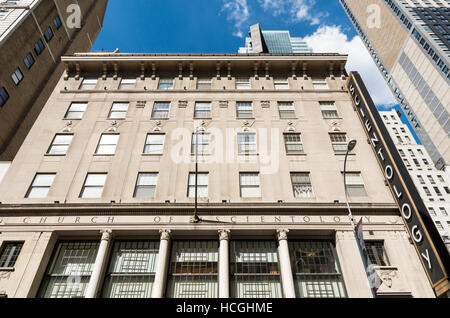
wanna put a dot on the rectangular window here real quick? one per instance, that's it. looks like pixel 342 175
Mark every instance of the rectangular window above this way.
pixel 202 110
pixel 204 83
pixel 9 254
pixel 203 144
pixel 41 185
pixel 132 269
pixel 317 273
pixel 355 185
pixel 244 109
pixel 165 84
pixel 39 47
pixel 193 270
pixel 286 109
pixel 430 178
pixel 421 180
pixel 320 83
pixel 301 184
pixel 29 60
pixel 329 110
pixel 4 96
pixel 146 185
pixel 281 83
pixel 127 83
pixel 161 110
pixel 17 76
pixel 438 192
pixel 376 252
pixel 48 34
pixel 443 211
pixel 57 22
pixel 107 144
pixel 119 110
pixel 202 185
pixel 88 84
pixel 154 144
pixel 76 110
pixel 255 269
pixel 60 144
pixel 339 142
pixel 246 143
pixel 293 143
pixel 439 226
pixel 243 83
pixel 432 211
pixel 249 184
pixel 93 185
pixel 69 270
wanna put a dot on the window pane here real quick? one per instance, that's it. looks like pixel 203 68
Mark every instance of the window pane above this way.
pixel 96 179
pixel 154 144
pixel 44 180
pixel 376 253
pixel 10 253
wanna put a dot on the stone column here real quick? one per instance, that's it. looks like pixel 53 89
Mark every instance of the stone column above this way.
pixel 99 266
pixel 287 280
pixel 224 267
pixel 161 267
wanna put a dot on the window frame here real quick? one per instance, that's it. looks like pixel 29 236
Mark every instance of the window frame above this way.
pixel 75 111
pixel 39 47
pixel 146 144
pixel 100 144
pixel 336 144
pixel 27 58
pixel 242 186
pixel 199 185
pixel 47 187
pixel 196 111
pixel 112 111
pixel 162 86
pixel 243 83
pixel 288 114
pixel 48 34
pixel 302 184
pixel 157 111
pixel 10 261
pixel 52 144
pixel 359 186
pixel 240 114
pixel 146 186
pixel 332 109
pixel 84 187
pixel 17 76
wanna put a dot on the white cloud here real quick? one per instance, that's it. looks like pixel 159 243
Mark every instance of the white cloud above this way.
pixel 238 14
pixel 330 39
pixel 293 10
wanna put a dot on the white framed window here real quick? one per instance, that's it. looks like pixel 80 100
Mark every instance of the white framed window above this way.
pixel 301 184
pixel 281 83
pixel 9 253
pixel 17 76
pixel 246 143
pixel 93 185
pixel 40 185
pixel 127 83
pixel 249 185
pixel 286 109
pixel 293 143
pixel 161 110
pixel 165 83
pixel 339 142
pixel 146 185
pixel 154 144
pixel 119 110
pixel 204 83
pixel 107 144
pixel 202 185
pixel 329 109
pixel 202 110
pixel 60 144
pixel 203 143
pixel 355 184
pixel 244 109
pixel 76 110
pixel 319 83
pixel 243 83
pixel 88 84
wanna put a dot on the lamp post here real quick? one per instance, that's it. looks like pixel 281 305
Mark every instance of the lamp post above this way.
pixel 350 146
pixel 195 218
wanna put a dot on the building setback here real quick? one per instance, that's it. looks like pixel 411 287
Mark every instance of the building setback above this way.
pixel 34 34
pixel 99 199
pixel 408 41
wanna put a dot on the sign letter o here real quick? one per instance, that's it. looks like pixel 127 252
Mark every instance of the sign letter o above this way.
pixel 406 210
pixel 389 172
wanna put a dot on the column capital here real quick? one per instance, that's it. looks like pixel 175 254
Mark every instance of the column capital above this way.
pixel 165 234
pixel 282 234
pixel 224 234
pixel 106 234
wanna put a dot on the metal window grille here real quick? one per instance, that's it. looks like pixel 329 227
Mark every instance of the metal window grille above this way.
pixel 328 109
pixel 293 143
pixel 127 83
pixel 193 270
pixel 69 270
pixel 301 184
pixel 247 144
pixel 161 110
pixel 41 185
pixel 376 253
pixel 93 185
pixel 88 84
pixel 202 185
pixel 204 83
pixel 355 185
pixel 243 83
pixel 286 109
pixel 339 142
pixel 249 183
pixel 107 144
pixel 154 144
pixel 202 110
pixel 316 270
pixel 203 143
pixel 244 109
pixel 60 144
pixel 118 111
pixel 255 271
pixel 131 272
pixel 146 185
pixel 76 111
pixel 10 253
pixel 165 83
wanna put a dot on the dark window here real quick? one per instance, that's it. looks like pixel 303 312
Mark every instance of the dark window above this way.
pixel 4 96
pixel 10 253
pixel 17 76
pixel 57 22
pixel 48 34
pixel 29 60
pixel 39 47
pixel 376 253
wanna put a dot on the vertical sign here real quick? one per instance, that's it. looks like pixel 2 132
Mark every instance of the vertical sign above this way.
pixel 427 241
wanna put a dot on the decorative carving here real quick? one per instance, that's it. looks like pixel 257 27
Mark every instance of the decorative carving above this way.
pixel 106 234
pixel 113 127
pixel 305 70
pixel 294 66
pixel 223 103
pixel 68 127
pixel 182 103
pixel 141 103
pixel 77 70
pixel 66 71
pixel 282 234
pixel 5 275
pixel 224 235
pixel 165 235
pixel 191 70
pixel 229 70
pixel 335 126
pixel 265 104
